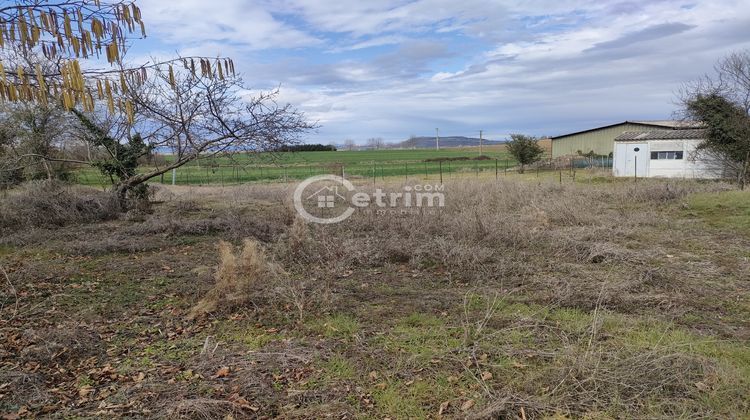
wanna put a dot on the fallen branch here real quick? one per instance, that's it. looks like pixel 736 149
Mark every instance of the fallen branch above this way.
pixel 13 290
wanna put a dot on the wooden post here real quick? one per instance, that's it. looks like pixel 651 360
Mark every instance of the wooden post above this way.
pixel 441 171
pixel 496 170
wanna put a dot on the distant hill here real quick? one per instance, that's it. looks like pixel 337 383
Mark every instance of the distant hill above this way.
pixel 454 141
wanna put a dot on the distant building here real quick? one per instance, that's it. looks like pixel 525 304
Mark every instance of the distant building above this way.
pixel 664 154
pixel 601 140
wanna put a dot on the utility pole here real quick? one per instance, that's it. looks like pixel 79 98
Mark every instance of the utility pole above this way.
pixel 437 138
pixel 481 152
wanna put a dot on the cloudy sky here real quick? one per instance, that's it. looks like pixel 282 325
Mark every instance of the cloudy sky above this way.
pixel 395 68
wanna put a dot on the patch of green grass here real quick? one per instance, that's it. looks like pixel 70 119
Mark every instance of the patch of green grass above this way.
pixel 336 326
pixel 6 250
pixel 419 398
pixel 725 210
pixel 173 351
pixel 421 320
pixel 393 401
pixel 421 336
pixel 338 368
pixel 249 335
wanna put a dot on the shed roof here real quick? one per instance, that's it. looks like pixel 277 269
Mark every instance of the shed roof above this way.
pixel 671 124
pixel 663 135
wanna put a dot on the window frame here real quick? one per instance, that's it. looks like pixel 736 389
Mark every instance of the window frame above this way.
pixel 668 155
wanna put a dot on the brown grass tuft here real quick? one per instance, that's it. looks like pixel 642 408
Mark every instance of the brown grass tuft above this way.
pixel 239 274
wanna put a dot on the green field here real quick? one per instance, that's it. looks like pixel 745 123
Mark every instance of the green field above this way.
pixel 299 165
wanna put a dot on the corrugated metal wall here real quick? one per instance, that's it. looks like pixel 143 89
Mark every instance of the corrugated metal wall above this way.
pixel 602 142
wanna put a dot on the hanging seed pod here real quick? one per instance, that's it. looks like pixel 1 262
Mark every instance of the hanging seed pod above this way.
pixel 123 83
pixel 110 97
pixel 99 89
pixel 218 68
pixel 171 77
pixel 129 111
pixel 42 84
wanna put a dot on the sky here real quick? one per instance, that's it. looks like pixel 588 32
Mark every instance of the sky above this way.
pixel 396 68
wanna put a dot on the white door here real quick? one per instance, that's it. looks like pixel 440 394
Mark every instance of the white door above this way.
pixel 632 159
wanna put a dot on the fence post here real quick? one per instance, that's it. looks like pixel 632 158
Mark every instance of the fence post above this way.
pixel 560 175
pixel 441 171
pixel 496 171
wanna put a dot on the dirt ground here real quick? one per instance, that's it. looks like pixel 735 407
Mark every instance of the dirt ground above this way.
pixel 520 299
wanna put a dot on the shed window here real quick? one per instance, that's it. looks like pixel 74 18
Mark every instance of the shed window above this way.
pixel 666 155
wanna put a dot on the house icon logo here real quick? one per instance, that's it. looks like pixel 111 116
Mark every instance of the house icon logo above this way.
pixel 321 199
pixel 327 197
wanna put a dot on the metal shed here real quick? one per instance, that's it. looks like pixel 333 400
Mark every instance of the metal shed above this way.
pixel 663 154
pixel 600 140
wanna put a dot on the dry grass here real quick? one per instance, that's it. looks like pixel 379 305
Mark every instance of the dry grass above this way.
pixel 52 204
pixel 516 300
pixel 238 277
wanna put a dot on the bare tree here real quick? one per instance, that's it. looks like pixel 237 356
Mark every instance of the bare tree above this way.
pixel 375 143
pixel 722 102
pixel 198 117
pixel 349 144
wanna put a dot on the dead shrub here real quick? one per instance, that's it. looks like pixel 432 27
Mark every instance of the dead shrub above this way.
pixel 238 276
pixel 23 388
pixel 205 408
pixel 53 204
pixel 586 382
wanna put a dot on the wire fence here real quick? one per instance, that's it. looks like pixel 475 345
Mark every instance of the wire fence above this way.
pixel 198 173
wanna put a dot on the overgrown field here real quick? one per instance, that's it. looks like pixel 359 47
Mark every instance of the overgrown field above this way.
pixel 417 163
pixel 520 299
